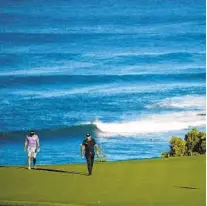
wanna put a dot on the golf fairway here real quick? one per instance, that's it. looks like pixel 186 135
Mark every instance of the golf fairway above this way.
pixel 154 182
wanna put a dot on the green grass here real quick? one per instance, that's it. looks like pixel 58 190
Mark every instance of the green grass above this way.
pixel 157 182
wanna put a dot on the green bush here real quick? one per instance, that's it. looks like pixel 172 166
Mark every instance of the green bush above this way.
pixel 177 146
pixel 102 156
pixel 194 143
pixel 165 154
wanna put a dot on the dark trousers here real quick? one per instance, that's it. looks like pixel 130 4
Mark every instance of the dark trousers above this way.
pixel 34 161
pixel 90 160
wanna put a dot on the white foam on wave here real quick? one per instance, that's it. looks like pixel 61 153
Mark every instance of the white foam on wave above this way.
pixel 153 124
pixel 183 102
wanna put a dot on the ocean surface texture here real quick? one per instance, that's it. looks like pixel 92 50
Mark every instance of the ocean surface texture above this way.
pixel 130 72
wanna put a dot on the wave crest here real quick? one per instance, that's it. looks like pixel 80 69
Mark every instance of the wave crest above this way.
pixel 154 124
pixel 148 125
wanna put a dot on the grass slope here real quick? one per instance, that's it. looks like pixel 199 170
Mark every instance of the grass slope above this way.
pixel 158 182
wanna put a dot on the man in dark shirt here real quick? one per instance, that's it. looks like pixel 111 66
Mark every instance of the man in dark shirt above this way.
pixel 88 145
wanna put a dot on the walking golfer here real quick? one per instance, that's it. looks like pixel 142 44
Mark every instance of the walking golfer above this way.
pixel 88 145
pixel 32 145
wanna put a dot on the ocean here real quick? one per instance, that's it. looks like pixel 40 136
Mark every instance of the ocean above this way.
pixel 131 73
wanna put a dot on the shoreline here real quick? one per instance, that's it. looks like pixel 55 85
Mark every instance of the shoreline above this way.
pixel 60 151
pixel 107 162
pixel 112 161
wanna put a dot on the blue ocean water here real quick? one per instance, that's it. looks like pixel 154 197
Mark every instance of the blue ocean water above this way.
pixel 132 73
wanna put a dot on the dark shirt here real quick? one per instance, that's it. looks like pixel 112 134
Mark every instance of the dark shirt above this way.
pixel 89 146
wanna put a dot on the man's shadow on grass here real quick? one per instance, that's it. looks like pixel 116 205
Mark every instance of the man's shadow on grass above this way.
pixel 61 171
pixel 56 171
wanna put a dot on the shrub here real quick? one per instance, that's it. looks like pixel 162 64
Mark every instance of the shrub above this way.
pixel 102 156
pixel 165 154
pixel 195 142
pixel 177 146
